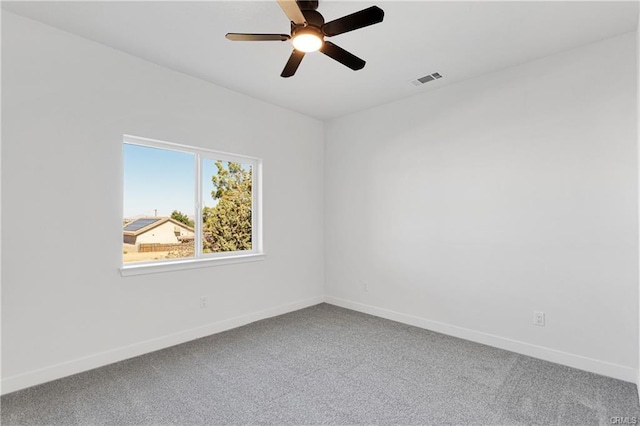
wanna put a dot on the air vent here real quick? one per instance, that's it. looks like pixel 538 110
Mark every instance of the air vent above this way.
pixel 426 79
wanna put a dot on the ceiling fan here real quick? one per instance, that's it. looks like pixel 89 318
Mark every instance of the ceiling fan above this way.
pixel 308 31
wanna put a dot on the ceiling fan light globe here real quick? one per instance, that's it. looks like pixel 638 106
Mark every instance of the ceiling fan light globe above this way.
pixel 307 42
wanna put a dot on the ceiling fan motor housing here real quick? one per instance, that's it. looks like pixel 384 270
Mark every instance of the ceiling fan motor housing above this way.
pixel 314 19
pixel 307 4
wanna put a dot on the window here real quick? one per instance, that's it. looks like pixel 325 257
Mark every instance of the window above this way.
pixel 186 207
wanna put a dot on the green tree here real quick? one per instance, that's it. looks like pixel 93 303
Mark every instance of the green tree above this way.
pixel 181 217
pixel 227 226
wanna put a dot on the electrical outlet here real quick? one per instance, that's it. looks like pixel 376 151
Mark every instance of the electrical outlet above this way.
pixel 365 286
pixel 203 302
pixel 538 318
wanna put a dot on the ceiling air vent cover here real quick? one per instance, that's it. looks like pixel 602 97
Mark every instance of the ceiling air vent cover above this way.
pixel 426 79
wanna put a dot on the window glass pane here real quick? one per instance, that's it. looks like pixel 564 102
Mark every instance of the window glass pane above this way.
pixel 159 203
pixel 226 206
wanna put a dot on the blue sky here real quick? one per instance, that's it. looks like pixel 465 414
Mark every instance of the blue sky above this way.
pixel 164 180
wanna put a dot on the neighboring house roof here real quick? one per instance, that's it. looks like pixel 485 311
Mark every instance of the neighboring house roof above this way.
pixel 144 224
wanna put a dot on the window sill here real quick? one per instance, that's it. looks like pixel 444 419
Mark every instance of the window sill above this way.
pixel 177 265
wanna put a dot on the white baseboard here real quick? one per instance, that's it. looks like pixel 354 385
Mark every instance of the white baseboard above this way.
pixel 604 368
pixel 57 371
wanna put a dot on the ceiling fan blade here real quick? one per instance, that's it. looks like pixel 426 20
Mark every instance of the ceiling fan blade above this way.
pixel 361 19
pixel 339 54
pixel 257 37
pixel 293 12
pixel 292 63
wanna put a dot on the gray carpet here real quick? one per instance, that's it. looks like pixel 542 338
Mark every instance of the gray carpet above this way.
pixel 326 365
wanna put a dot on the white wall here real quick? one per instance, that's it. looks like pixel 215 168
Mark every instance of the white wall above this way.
pixel 66 102
pixel 467 208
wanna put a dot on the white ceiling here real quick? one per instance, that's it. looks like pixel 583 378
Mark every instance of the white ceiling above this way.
pixel 457 39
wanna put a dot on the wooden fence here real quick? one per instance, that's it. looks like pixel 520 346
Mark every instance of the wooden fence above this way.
pixel 149 247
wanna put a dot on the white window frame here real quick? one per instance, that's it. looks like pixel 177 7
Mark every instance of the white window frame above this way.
pixel 201 259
